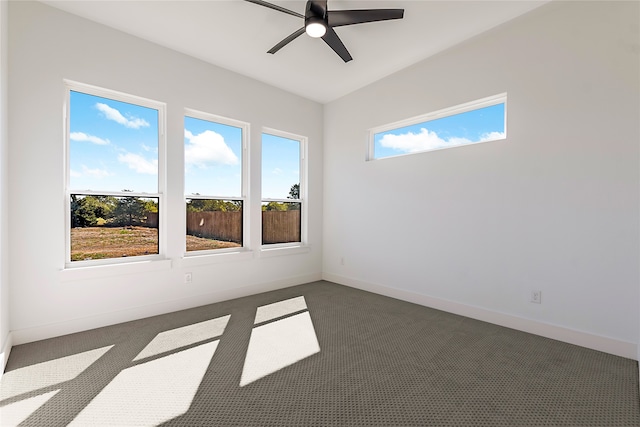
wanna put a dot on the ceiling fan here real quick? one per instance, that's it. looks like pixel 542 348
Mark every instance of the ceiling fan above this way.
pixel 319 22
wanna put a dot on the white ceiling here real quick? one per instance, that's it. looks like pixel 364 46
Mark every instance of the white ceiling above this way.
pixel 236 35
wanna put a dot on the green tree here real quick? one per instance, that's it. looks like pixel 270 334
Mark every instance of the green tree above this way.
pixel 87 211
pixel 81 216
pixel 274 206
pixel 151 206
pixel 129 210
pixel 294 192
pixel 208 205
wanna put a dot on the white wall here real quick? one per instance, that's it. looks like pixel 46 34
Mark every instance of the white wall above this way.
pixel 4 187
pixel 47 46
pixel 474 229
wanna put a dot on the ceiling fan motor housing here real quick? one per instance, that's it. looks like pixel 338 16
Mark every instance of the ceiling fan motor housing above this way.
pixel 315 10
pixel 315 19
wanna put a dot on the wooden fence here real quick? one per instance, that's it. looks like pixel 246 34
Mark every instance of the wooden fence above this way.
pixel 280 226
pixel 216 225
pixel 151 219
pixel 277 226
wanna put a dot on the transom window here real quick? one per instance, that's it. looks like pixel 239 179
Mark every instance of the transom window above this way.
pixel 283 186
pixel 114 145
pixel 478 121
pixel 214 181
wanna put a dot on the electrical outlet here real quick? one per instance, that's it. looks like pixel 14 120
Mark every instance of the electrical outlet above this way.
pixel 188 278
pixel 536 297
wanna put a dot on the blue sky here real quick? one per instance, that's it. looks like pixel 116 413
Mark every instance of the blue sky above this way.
pixel 280 166
pixel 483 124
pixel 114 146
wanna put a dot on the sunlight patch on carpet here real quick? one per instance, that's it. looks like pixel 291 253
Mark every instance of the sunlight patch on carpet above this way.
pixel 46 374
pixel 15 413
pixel 150 393
pixel 184 336
pixel 277 345
pixel 280 309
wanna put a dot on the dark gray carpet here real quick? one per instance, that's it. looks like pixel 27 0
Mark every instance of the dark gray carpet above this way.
pixel 382 362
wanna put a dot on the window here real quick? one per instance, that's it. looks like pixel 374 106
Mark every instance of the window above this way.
pixel 214 181
pixel 478 121
pixel 114 146
pixel 283 187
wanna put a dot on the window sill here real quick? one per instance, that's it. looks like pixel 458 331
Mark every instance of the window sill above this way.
pixel 213 258
pixel 267 251
pixel 99 271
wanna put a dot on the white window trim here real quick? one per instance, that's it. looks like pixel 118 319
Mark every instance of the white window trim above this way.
pixel 70 86
pixel 134 266
pixel 277 248
pixel 215 256
pixel 207 256
pixel 439 114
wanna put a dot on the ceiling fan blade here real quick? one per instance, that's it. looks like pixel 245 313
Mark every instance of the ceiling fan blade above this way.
pixel 286 40
pixel 334 42
pixel 338 18
pixel 276 7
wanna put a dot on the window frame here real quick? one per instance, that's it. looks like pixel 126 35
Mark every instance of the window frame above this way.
pixel 303 198
pixel 244 197
pixel 435 115
pixel 160 107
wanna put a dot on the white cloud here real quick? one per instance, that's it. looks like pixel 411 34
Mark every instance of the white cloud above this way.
pixel 96 173
pixel 74 174
pixel 115 115
pixel 429 140
pixel 277 171
pixel 490 136
pixel 139 163
pixel 207 148
pixel 83 137
pixel 424 140
pixel 147 148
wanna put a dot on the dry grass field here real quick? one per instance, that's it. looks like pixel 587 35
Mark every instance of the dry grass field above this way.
pixel 116 242
pixel 201 244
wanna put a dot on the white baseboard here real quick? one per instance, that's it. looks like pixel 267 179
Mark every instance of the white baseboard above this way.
pixel 571 336
pixel 22 336
pixel 6 350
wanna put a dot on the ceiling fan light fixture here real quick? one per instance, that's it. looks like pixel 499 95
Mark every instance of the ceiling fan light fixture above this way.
pixel 315 27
